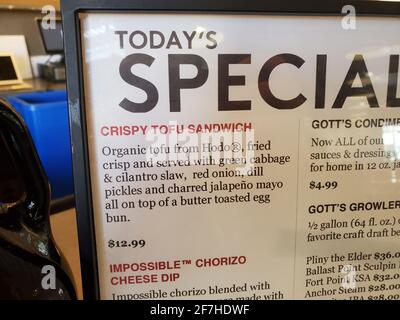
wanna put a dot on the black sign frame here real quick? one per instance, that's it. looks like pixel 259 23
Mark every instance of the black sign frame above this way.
pixel 77 114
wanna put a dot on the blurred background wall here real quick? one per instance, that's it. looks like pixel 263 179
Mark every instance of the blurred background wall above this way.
pixel 17 17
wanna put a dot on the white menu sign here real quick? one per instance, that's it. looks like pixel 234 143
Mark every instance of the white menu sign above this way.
pixel 245 157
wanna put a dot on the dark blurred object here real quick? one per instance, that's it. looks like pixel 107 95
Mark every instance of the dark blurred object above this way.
pixel 52 38
pixel 52 35
pixel 52 71
pixel 31 267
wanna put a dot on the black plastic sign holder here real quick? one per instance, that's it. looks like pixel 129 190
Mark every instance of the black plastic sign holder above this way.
pixel 77 112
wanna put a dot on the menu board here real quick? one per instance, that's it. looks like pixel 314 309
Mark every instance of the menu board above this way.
pixel 244 157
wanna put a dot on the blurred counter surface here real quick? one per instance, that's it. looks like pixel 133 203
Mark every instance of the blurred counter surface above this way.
pixel 37 85
pixel 65 234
